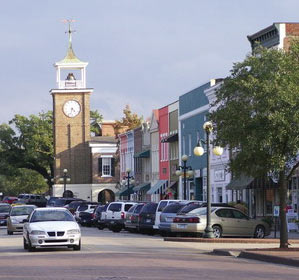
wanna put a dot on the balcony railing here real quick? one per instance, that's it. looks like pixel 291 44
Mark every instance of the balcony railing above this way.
pixel 70 84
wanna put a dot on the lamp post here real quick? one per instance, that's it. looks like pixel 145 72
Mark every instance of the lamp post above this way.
pixel 65 179
pixel 186 171
pixel 50 181
pixel 129 180
pixel 199 151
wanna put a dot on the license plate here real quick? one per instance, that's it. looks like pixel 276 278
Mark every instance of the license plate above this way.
pixel 181 226
pixel 112 222
pixel 148 220
pixel 84 221
pixel 169 219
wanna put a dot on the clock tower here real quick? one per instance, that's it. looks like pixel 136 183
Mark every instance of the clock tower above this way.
pixel 71 125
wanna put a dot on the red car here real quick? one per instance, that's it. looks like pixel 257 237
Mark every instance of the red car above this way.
pixel 9 199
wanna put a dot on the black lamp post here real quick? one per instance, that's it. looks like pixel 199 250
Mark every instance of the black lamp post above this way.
pixel 50 182
pixel 65 179
pixel 199 151
pixel 128 180
pixel 185 171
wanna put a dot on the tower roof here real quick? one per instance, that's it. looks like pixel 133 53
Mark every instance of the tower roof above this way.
pixel 70 57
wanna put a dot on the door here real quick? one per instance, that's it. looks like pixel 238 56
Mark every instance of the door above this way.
pixel 226 220
pixel 243 224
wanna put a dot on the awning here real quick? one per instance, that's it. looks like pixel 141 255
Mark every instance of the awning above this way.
pixel 239 183
pixel 125 191
pixel 170 138
pixel 143 154
pixel 171 188
pixel 246 182
pixel 143 187
pixel 156 187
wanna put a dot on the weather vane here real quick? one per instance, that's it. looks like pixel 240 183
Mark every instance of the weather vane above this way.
pixel 70 31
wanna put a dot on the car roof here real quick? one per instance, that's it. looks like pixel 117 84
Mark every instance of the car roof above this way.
pixel 24 205
pixel 51 208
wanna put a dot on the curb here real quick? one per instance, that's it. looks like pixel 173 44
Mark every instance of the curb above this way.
pixel 228 240
pixel 270 259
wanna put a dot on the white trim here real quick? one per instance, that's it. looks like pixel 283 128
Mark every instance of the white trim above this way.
pixel 194 112
pixel 106 156
pixel 82 90
pixel 103 150
pixel 101 145
pixel 172 107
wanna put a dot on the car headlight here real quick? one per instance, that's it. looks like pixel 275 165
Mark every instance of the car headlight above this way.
pixel 14 221
pixel 37 232
pixel 73 231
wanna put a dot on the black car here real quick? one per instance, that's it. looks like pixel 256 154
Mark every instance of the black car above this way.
pixel 101 221
pixel 72 206
pixel 63 201
pixel 147 217
pixel 132 220
pixel 4 213
pixel 85 219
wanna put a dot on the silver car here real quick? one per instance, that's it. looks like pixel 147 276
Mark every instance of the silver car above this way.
pixel 16 217
pixel 225 221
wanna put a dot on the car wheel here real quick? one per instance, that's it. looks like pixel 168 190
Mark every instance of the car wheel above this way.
pixel 217 231
pixel 259 232
pixel 9 232
pixel 101 227
pixel 116 229
pixel 25 245
pixel 77 247
pixel 29 246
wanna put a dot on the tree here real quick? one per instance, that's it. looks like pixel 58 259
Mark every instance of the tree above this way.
pixel 95 119
pixel 257 115
pixel 129 121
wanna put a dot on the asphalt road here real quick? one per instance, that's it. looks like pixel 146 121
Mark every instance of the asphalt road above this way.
pixel 120 256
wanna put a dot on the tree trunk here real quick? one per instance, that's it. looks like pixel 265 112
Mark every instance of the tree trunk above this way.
pixel 282 211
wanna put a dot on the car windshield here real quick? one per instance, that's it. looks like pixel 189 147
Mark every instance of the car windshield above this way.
pixel 173 208
pixel 21 211
pixel 201 211
pixel 60 202
pixel 51 215
pixel 189 207
pixel 150 208
pixel 4 208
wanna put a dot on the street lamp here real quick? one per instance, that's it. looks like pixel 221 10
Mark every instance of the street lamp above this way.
pixel 50 181
pixel 199 151
pixel 129 180
pixel 186 171
pixel 65 178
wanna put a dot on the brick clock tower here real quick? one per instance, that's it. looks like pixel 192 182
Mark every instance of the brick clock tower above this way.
pixel 71 126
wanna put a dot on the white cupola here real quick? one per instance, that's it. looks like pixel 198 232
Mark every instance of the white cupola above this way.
pixel 68 66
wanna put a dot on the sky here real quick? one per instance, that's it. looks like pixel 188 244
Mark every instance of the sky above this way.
pixel 144 53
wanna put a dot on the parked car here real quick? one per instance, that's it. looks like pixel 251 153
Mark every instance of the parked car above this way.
pixel 33 199
pixel 4 213
pixel 147 217
pixel 72 206
pixel 116 215
pixel 101 221
pixel 97 214
pixel 161 205
pixel 132 217
pixel 9 199
pixel 225 221
pixel 51 201
pixel 168 214
pixel 62 201
pixel 16 217
pixel 85 207
pixel 85 218
pixel 51 226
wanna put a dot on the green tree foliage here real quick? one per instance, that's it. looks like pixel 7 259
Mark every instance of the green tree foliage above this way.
pixel 95 119
pixel 129 121
pixel 258 117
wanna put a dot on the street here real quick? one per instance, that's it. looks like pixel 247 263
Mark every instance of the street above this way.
pixel 108 255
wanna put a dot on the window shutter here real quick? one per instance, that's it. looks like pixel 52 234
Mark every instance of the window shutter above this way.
pixel 100 167
pixel 112 167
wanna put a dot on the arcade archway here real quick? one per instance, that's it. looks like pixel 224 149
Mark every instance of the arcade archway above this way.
pixel 106 196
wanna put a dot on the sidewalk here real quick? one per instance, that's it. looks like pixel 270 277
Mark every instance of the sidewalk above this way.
pixel 266 250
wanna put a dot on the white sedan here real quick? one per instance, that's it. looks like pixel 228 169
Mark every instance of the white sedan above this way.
pixel 51 227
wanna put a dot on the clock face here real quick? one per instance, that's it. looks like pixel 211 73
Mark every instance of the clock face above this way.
pixel 71 108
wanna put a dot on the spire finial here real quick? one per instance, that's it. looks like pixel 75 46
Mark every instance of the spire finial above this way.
pixel 70 31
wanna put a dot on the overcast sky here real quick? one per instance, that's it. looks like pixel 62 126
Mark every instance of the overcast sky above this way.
pixel 145 53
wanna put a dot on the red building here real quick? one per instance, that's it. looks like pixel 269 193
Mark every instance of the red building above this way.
pixel 163 147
